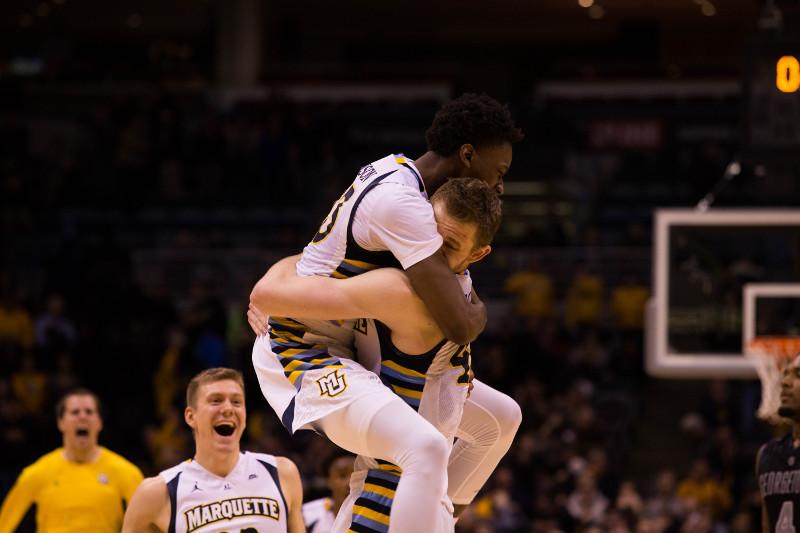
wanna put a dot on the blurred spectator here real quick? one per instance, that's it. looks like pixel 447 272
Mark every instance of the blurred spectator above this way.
pixel 664 501
pixel 16 325
pixel 584 302
pixel 30 386
pixel 532 290
pixel 700 489
pixel 628 304
pixel 587 504
pixel 53 329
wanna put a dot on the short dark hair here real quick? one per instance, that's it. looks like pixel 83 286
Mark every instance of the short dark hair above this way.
pixel 472 200
pixel 331 458
pixel 211 375
pixel 61 405
pixel 474 119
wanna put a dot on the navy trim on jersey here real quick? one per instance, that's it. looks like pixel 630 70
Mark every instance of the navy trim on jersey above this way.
pixel 383 258
pixel 419 178
pixel 419 363
pixel 273 471
pixel 287 419
pixel 172 489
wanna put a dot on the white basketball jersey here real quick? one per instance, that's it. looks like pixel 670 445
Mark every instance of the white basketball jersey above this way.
pixel 318 516
pixel 435 384
pixel 304 362
pixel 334 251
pixel 248 500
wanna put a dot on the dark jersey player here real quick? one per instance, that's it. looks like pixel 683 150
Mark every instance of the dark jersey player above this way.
pixel 778 462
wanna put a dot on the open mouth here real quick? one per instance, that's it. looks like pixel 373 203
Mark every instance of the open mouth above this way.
pixel 82 432
pixel 225 429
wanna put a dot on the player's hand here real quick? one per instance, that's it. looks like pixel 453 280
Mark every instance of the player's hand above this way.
pixel 257 320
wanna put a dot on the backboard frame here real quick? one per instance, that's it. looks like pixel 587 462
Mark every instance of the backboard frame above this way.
pixel 660 361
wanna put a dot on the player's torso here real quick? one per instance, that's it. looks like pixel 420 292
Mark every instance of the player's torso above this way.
pixel 779 481
pixel 318 516
pixel 79 498
pixel 248 500
pixel 334 251
pixel 435 384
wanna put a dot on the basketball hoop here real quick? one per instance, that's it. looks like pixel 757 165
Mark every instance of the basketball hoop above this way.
pixel 770 355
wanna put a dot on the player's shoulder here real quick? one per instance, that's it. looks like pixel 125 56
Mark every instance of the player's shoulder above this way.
pixel 261 458
pixel 775 446
pixel 314 509
pixel 44 464
pixel 118 461
pixel 395 169
pixel 171 473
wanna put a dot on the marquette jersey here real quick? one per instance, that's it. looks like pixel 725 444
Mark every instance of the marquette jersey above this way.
pixel 249 499
pixel 304 367
pixel 778 472
pixel 318 516
pixel 434 384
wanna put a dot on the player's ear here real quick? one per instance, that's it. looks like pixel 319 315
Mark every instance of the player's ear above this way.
pixel 188 416
pixel 466 154
pixel 479 253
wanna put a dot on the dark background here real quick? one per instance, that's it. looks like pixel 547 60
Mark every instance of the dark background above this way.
pixel 156 157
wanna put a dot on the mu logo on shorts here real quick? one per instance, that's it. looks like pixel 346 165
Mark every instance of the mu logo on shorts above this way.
pixel 332 384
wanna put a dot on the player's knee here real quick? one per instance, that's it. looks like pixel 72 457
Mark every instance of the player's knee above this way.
pixel 433 451
pixel 509 418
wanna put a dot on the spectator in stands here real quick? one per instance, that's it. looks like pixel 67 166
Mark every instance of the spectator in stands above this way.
pixel 701 489
pixel 16 325
pixel 532 290
pixel 628 304
pixel 30 386
pixel 584 302
pixel 53 329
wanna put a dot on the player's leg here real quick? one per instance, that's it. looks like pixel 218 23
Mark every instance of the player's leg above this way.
pixel 396 433
pixel 487 428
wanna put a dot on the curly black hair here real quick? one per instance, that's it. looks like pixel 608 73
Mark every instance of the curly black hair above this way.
pixel 474 119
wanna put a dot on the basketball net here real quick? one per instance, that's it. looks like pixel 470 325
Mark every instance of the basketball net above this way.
pixel 770 355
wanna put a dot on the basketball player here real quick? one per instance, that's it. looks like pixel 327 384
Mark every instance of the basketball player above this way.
pixel 404 344
pixel 78 487
pixel 221 488
pixel 384 219
pixel 320 514
pixel 778 462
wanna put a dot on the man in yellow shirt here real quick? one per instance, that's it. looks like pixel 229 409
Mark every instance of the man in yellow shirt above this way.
pixel 78 488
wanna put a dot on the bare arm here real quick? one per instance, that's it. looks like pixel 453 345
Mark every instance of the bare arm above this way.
pixel 461 321
pixel 293 491
pixel 371 295
pixel 149 508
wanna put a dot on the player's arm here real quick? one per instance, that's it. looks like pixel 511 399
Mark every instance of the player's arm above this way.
pixel 460 320
pixel 149 510
pixel 404 223
pixel 280 292
pixel 17 501
pixel 764 517
pixel 293 492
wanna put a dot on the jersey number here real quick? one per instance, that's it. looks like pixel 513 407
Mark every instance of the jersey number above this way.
pixel 785 519
pixel 462 358
pixel 330 220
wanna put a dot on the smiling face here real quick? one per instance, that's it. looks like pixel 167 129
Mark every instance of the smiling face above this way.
pixel 459 246
pixel 218 415
pixel 80 422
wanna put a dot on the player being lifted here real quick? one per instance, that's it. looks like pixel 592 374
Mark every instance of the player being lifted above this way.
pixel 384 219
pixel 221 488
pixel 401 340
pixel 778 461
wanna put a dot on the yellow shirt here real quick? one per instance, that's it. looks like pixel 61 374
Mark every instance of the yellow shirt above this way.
pixel 534 293
pixel 72 497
